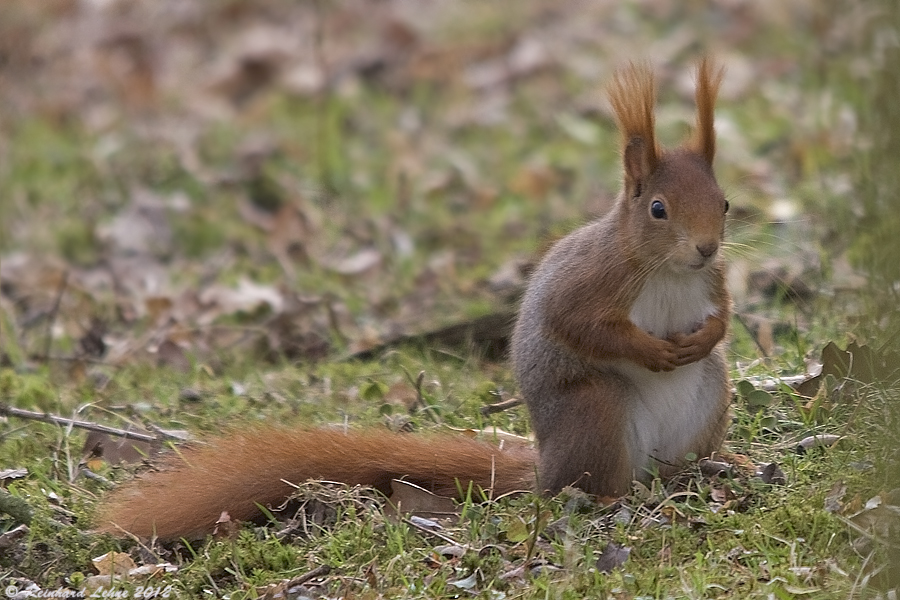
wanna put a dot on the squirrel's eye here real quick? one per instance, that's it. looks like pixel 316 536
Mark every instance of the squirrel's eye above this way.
pixel 727 206
pixel 657 210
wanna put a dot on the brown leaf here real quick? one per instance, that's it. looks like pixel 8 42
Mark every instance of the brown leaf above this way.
pixel 302 330
pixel 772 474
pixel 715 468
pixel 273 591
pixel 10 538
pixel 92 343
pixel 858 363
pixel 289 239
pixel 257 59
pixel 721 494
pixel 403 394
pixel 834 496
pixel 126 59
pixel 879 517
pixel 171 355
pixel 303 79
pixel 158 307
pixel 116 450
pixel 226 528
pixel 763 332
pixel 113 563
pixel 409 498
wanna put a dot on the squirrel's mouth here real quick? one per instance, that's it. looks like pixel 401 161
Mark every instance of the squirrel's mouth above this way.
pixel 698 266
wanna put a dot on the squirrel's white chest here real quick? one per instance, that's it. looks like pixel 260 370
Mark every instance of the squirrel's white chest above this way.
pixel 670 408
pixel 670 303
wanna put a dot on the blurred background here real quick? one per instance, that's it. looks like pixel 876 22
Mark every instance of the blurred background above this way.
pixel 305 179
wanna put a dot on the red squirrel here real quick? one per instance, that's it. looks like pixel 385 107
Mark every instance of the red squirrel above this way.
pixel 618 352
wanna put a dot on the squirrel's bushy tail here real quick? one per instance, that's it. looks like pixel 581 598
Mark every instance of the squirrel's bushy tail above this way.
pixel 236 472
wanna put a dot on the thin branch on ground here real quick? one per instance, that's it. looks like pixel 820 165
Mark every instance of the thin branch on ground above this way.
pixel 10 411
pixel 490 409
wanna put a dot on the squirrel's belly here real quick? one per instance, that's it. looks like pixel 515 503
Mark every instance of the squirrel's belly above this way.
pixel 669 412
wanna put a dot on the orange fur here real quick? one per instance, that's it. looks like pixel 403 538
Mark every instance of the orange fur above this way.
pixel 236 472
pixel 632 94
pixel 703 140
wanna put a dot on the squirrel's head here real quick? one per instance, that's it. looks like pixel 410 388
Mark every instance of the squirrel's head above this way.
pixel 674 210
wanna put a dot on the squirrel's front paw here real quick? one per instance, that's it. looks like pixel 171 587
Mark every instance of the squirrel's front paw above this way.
pixel 694 347
pixel 690 351
pixel 661 355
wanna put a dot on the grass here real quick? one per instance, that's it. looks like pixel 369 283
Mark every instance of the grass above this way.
pixel 693 537
pixel 367 166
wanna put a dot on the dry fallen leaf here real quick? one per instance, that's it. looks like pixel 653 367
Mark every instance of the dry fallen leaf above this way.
pixel 10 538
pixel 115 450
pixel 171 355
pixel 818 441
pixel 721 494
pixel 12 474
pixel 226 528
pixel 355 264
pixel 408 498
pixel 834 497
pixel 878 517
pixel 612 557
pixel 772 474
pixel 113 563
pixel 143 226
pixel 494 434
pixel 247 297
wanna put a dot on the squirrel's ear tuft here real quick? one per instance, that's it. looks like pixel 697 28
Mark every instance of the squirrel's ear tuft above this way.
pixel 632 94
pixel 703 139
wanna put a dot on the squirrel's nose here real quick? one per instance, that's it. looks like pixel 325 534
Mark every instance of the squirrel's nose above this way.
pixel 707 250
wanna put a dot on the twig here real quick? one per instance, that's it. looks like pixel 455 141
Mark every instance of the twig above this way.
pixel 87 473
pixel 319 571
pixel 170 435
pixel 9 411
pixel 417 384
pixel 500 406
pixel 490 332
pixel 440 536
pixel 51 316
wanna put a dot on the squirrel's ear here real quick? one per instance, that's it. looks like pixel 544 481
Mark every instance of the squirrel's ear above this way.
pixel 703 140
pixel 639 160
pixel 632 94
